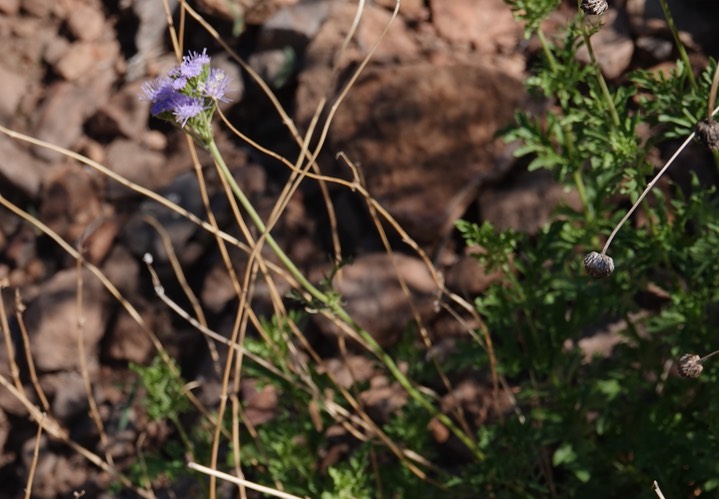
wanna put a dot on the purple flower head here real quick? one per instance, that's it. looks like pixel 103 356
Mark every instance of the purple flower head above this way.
pixel 185 108
pixel 162 95
pixel 192 65
pixel 216 85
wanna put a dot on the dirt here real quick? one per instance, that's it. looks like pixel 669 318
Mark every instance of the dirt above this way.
pixel 419 123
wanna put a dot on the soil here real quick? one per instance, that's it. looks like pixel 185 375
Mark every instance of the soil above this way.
pixel 419 124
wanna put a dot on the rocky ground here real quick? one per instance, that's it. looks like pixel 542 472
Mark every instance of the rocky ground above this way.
pixel 420 122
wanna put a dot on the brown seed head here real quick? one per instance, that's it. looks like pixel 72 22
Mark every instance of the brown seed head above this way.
pixel 708 133
pixel 690 365
pixel 598 265
pixel 594 7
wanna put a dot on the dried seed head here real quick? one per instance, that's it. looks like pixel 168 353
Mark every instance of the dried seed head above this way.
pixel 598 265
pixel 594 7
pixel 708 133
pixel 690 365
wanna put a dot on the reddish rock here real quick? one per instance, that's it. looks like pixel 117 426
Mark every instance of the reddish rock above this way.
pixel 52 321
pixel 424 153
pixel 372 294
pixel 613 45
pixel 486 25
pixel 86 22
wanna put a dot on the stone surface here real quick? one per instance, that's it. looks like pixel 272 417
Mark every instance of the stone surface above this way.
pixel 372 295
pixel 24 172
pixel 424 153
pixel 613 45
pixel 487 25
pixel 52 317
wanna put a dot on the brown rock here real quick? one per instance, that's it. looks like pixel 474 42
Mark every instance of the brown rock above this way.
pixel 123 114
pixel 52 321
pixel 374 298
pixel 135 163
pixel 66 107
pixel 9 8
pixel 315 81
pixel 424 153
pixel 613 45
pixel 24 172
pixel 86 22
pixel 383 398
pixel 487 25
pixel 14 86
pixel 260 403
pixel 249 11
pixel 127 341
pixel 526 202
pixel 82 57
pixel 70 202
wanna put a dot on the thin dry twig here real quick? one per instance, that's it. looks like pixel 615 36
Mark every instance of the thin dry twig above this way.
pixel 80 329
pixel 19 310
pixel 35 458
pixel 657 490
pixel 240 481
pixel 14 371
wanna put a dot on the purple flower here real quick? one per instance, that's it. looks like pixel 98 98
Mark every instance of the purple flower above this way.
pixel 162 95
pixel 192 64
pixel 185 108
pixel 216 85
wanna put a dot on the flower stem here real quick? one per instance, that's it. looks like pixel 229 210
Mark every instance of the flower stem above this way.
pixel 678 42
pixel 336 309
pixel 600 78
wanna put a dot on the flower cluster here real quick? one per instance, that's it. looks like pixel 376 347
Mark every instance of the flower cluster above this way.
pixel 188 95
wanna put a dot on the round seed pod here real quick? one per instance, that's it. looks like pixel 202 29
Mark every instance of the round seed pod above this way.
pixel 598 265
pixel 594 7
pixel 690 365
pixel 708 133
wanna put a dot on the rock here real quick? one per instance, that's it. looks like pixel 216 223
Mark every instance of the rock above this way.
pixel 487 26
pixel 526 202
pixel 425 166
pixel 372 295
pixel 68 104
pixel 82 57
pixel 383 398
pixel 412 10
pixel 151 30
pixel 315 80
pixel 244 11
pixel 127 341
pixel 70 203
pixel 349 370
pixel 9 8
pixel 613 45
pixel 124 114
pixel 136 163
pixel 695 24
pixel 24 172
pixel 67 392
pixel 51 320
pixel 468 278
pixel 259 401
pixel 86 22
pixel 14 85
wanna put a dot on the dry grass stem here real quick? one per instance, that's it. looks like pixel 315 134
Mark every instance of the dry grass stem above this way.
pixel 35 458
pixel 19 310
pixel 239 481
pixel 80 330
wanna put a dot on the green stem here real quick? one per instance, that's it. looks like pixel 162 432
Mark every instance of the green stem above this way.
pixel 336 309
pixel 547 52
pixel 600 78
pixel 679 44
